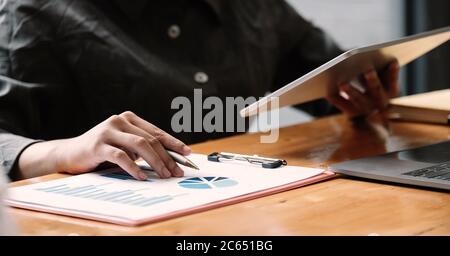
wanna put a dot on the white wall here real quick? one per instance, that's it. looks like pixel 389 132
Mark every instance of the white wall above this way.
pixel 355 23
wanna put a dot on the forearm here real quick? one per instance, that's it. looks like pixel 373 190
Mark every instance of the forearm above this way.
pixel 40 159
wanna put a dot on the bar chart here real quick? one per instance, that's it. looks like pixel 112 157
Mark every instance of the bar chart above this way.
pixel 121 175
pixel 100 193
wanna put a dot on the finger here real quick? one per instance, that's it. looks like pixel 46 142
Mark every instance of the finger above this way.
pixel 173 168
pixel 172 143
pixel 122 123
pixel 343 105
pixel 360 101
pixel 376 90
pixel 130 154
pixel 157 146
pixel 391 79
pixel 140 146
pixel 166 139
pixel 120 157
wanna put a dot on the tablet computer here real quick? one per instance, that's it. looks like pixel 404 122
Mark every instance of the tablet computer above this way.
pixel 347 67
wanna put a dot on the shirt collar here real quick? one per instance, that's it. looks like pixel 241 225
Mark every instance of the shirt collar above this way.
pixel 134 8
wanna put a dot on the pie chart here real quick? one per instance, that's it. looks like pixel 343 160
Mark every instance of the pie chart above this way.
pixel 207 182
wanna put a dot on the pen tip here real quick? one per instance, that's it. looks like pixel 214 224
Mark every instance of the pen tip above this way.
pixel 192 165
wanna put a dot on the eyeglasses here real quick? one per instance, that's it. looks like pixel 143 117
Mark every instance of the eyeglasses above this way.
pixel 264 162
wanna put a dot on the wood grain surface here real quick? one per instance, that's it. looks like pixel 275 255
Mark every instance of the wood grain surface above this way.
pixel 342 206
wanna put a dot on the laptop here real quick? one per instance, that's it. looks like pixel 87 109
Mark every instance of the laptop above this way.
pixel 427 166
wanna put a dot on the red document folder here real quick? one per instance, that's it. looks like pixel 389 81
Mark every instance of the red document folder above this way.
pixel 23 197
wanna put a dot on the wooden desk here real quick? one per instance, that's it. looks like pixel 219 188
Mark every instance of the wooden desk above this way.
pixel 336 207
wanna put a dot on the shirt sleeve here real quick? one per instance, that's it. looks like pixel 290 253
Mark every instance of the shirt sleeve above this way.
pixel 14 109
pixel 11 146
pixel 18 119
pixel 304 47
pixel 22 58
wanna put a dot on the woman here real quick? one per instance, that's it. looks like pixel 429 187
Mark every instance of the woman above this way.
pixel 117 65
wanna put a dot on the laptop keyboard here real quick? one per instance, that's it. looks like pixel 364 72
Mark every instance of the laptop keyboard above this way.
pixel 440 171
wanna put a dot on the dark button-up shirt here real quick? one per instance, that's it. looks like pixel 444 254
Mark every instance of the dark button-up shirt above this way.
pixel 67 65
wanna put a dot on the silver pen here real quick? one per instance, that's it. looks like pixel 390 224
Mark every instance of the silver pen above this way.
pixel 182 160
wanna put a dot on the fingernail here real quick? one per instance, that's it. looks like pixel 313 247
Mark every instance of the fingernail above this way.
pixel 166 173
pixel 179 172
pixel 395 65
pixel 142 176
pixel 187 150
pixel 371 74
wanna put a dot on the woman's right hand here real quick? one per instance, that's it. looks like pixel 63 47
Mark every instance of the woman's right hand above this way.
pixel 120 140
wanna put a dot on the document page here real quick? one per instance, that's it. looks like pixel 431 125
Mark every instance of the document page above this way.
pixel 114 196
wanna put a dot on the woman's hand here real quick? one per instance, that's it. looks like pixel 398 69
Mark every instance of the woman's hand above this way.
pixel 120 140
pixel 379 88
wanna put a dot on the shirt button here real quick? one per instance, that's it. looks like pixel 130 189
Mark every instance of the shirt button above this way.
pixel 201 77
pixel 174 31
